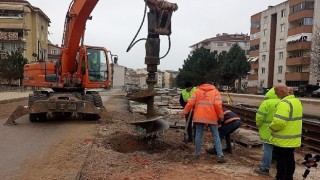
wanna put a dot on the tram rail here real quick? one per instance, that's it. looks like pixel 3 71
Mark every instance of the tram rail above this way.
pixel 310 124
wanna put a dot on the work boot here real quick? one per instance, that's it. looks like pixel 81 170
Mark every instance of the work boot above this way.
pixel 228 150
pixel 262 172
pixel 190 140
pixel 211 151
pixel 221 159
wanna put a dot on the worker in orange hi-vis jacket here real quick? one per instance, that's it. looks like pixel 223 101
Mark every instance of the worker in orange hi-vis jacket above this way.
pixel 207 103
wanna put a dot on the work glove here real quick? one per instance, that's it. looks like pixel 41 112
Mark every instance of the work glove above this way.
pixel 220 122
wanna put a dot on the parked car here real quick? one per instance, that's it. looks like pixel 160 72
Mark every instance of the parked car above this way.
pixel 306 90
pixel 316 93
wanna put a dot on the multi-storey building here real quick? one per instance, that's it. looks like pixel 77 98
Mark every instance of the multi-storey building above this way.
pixel 118 77
pixel 23 27
pixel 281 40
pixel 54 52
pixel 169 77
pixel 223 42
pixel 136 77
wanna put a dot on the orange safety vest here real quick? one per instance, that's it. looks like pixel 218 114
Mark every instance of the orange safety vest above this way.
pixel 207 103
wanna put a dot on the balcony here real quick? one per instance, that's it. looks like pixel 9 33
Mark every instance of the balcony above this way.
pixel 301 14
pixel 254 65
pixel 302 45
pixel 252 77
pixel 255 42
pixel 254 30
pixel 297 76
pixel 299 30
pixel 254 53
pixel 294 2
pixel 298 61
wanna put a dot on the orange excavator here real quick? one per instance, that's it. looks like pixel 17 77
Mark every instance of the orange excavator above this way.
pixel 73 79
pixel 82 69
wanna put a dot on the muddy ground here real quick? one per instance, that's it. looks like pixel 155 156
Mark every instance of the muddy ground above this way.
pixel 121 152
pixel 114 149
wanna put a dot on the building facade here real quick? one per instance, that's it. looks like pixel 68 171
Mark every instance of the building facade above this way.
pixel 223 42
pixel 281 39
pixel 118 75
pixel 169 77
pixel 23 27
pixel 54 52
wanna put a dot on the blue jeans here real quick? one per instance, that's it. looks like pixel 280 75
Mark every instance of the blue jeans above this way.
pixel 267 156
pixel 215 137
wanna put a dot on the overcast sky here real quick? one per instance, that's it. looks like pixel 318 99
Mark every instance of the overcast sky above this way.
pixel 115 22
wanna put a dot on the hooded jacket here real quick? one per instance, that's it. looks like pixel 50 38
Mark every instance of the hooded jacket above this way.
pixel 264 115
pixel 207 103
pixel 287 123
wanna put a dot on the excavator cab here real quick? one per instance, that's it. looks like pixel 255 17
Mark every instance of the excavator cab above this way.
pixel 95 68
pixel 97 65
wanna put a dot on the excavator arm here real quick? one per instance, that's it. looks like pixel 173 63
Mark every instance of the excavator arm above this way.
pixel 76 18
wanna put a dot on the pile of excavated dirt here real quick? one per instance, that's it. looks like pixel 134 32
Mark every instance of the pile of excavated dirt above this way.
pixel 120 151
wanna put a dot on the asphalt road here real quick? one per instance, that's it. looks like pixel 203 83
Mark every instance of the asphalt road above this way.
pixel 24 146
pixel 24 142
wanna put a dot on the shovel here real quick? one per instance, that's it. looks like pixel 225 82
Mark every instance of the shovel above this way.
pixel 185 135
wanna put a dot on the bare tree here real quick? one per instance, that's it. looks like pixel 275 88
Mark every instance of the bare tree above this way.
pixel 315 54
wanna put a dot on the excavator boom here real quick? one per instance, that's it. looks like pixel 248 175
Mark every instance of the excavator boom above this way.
pixel 76 18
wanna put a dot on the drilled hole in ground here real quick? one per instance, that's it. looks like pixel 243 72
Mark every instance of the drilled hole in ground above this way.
pixel 128 143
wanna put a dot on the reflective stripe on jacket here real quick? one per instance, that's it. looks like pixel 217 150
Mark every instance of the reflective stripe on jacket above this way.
pixel 264 115
pixel 207 104
pixel 186 95
pixel 229 117
pixel 287 123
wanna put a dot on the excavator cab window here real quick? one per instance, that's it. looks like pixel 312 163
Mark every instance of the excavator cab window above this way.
pixel 97 65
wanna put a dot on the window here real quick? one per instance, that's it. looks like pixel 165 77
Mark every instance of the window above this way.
pixel 219 44
pixel 254 48
pixel 283 13
pixel 255 24
pixel 263 70
pixel 307 21
pixel 11 14
pixel 264 45
pixel 300 54
pixel 299 69
pixel 280 55
pixel 302 6
pixel 229 44
pixel 279 81
pixel 265 19
pixel 280 69
pixel 263 59
pixel 265 32
pixel 281 42
pixel 54 51
pixel 282 27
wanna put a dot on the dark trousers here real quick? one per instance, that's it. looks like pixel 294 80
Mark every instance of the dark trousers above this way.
pixel 191 136
pixel 226 130
pixel 285 163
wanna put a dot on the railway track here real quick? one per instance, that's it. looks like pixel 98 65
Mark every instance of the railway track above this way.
pixel 310 124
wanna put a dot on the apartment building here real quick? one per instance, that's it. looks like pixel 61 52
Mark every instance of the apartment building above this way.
pixel 281 39
pixel 223 42
pixel 118 77
pixel 54 52
pixel 169 77
pixel 23 27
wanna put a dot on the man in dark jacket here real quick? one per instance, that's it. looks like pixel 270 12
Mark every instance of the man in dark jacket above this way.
pixel 227 126
pixel 185 95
